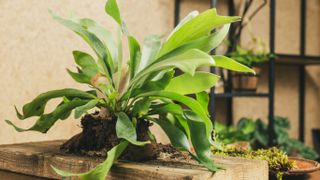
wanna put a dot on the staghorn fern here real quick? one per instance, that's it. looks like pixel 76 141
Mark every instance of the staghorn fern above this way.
pixel 144 88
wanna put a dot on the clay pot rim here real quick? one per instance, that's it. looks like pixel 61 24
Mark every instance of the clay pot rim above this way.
pixel 316 166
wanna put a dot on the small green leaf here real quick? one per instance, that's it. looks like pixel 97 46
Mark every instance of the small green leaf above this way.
pixel 166 108
pixel 150 49
pixel 187 84
pixel 100 171
pixel 79 77
pixel 87 63
pixel 126 130
pixel 141 107
pixel 247 126
pixel 228 63
pixel 154 85
pixel 112 10
pixel 84 108
pixel 177 138
pixel 135 54
pixel 203 99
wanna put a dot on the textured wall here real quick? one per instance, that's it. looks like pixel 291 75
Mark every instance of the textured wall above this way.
pixel 35 50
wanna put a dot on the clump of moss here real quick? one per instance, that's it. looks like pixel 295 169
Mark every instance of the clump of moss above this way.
pixel 278 161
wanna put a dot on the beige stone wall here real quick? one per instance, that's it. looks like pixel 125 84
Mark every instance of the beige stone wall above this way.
pixel 35 50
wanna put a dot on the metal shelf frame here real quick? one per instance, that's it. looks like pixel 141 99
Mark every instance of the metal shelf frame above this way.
pixel 301 60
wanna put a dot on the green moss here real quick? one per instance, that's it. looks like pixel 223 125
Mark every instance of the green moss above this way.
pixel 278 161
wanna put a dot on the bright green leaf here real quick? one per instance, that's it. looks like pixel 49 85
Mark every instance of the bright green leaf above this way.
pixel 103 34
pixel 187 84
pixel 141 107
pixel 126 130
pixel 205 43
pixel 203 99
pixel 79 77
pixel 135 54
pixel 166 108
pixel 187 62
pixel 154 85
pixel 100 171
pixel 191 103
pixel 190 16
pixel 177 138
pixel 197 27
pixel 84 108
pixel 199 141
pixel 94 42
pixel 228 63
pixel 150 49
pixel 112 10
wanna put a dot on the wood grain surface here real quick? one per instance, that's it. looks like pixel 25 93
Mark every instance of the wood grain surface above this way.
pixel 36 159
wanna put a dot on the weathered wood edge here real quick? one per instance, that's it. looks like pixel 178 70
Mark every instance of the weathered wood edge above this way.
pixel 36 159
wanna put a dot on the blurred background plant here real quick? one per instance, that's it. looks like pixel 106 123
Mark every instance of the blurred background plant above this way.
pixel 249 57
pixel 255 132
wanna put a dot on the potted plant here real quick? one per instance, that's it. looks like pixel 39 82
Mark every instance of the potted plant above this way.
pixel 249 139
pixel 130 96
pixel 250 58
pixel 251 54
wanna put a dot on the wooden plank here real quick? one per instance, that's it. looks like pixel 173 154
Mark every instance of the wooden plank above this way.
pixel 36 159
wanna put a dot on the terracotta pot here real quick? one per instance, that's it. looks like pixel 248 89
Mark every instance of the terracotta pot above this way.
pixel 245 81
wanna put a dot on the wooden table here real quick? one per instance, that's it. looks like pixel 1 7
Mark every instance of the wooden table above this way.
pixel 35 158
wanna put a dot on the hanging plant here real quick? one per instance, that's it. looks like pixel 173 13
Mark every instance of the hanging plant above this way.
pixel 131 96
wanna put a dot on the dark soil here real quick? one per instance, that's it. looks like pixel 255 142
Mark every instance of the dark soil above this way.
pixel 98 136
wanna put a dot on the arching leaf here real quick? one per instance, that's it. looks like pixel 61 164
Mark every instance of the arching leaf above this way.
pixel 100 171
pixel 150 50
pixel 187 62
pixel 94 42
pixel 36 107
pixel 187 84
pixel 44 123
pixel 112 10
pixel 135 55
pixel 197 27
pixel 191 103
pixel 228 63
pixel 205 43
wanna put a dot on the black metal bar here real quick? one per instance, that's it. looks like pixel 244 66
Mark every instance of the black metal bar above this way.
pixel 228 85
pixel 213 3
pixel 271 131
pixel 212 103
pixel 301 102
pixel 298 57
pixel 302 70
pixel 242 94
pixel 176 12
pixel 229 101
